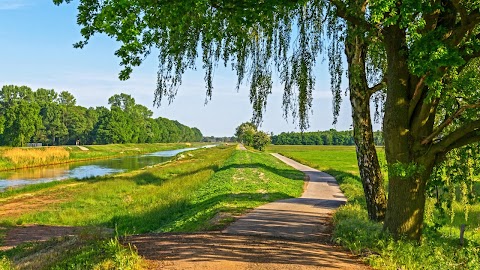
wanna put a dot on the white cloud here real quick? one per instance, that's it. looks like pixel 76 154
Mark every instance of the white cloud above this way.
pixel 12 4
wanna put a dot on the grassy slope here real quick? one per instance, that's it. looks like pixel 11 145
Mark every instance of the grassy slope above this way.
pixel 95 151
pixel 204 191
pixel 439 250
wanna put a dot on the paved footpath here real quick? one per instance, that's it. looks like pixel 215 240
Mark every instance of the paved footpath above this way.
pixel 305 218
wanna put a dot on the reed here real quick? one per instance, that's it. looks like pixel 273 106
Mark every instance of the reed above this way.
pixel 29 157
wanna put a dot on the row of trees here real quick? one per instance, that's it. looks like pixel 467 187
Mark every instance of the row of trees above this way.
pixel 53 118
pixel 328 137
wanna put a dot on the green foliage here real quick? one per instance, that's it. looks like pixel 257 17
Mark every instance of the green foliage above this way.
pixel 245 133
pixel 6 264
pixel 20 114
pixel 248 134
pixel 53 119
pixel 404 170
pixel 453 183
pixel 101 255
pixel 261 140
pixel 255 37
pixel 89 250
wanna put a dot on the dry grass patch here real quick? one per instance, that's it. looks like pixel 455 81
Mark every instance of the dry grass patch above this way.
pixel 21 157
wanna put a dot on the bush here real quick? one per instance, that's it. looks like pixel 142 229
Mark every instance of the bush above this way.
pixel 260 140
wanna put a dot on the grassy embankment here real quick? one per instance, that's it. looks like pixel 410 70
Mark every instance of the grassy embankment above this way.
pixel 14 158
pixel 438 250
pixel 203 191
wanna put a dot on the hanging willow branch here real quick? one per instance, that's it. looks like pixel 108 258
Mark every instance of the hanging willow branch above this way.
pixel 253 37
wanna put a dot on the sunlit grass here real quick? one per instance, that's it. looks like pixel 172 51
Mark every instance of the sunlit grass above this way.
pixel 202 190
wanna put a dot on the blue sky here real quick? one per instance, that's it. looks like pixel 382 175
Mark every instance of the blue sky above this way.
pixel 36 50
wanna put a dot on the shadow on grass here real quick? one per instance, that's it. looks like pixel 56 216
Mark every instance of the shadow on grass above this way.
pixel 287 173
pixel 150 178
pixel 186 216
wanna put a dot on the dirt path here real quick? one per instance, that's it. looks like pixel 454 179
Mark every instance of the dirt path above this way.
pixel 241 147
pixel 219 251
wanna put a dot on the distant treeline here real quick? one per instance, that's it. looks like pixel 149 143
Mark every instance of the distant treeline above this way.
pixel 328 137
pixel 51 118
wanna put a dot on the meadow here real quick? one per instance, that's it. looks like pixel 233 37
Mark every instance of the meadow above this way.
pixel 440 247
pixel 202 190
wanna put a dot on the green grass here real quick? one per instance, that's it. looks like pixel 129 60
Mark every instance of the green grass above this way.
pixel 438 249
pixel 205 190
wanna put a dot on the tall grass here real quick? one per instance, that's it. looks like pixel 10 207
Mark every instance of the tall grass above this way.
pixel 28 157
pixel 79 252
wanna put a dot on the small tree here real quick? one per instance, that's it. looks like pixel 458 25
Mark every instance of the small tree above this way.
pixel 260 140
pixel 245 133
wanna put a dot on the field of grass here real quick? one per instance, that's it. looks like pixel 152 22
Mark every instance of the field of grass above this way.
pixel 438 249
pixel 14 158
pixel 205 190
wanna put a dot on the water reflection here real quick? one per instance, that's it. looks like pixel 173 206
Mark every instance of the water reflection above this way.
pixel 86 169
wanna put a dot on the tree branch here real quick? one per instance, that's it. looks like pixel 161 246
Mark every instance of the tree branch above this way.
pixel 417 95
pixel 469 138
pixel 468 22
pixel 379 86
pixel 448 121
pixel 458 137
pixel 342 12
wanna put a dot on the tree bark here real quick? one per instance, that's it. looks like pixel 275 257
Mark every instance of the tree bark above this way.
pixel 410 164
pixel 369 167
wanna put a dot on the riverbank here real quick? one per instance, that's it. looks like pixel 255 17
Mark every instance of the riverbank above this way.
pixel 27 157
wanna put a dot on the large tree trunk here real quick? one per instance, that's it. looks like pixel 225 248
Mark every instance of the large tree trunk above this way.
pixel 406 201
pixel 369 167
pixel 409 164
